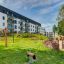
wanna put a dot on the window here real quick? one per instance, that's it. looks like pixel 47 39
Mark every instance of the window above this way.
pixel 19 22
pixel 3 24
pixel 31 29
pixel 15 27
pixel 3 11
pixel 19 27
pixel 15 21
pixel 27 20
pixel 33 26
pixel 3 18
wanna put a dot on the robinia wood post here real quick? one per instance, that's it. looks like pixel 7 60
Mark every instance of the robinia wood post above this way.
pixel 13 27
pixel 13 35
pixel 5 32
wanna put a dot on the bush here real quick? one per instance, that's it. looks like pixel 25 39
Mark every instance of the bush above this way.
pixel 25 35
pixel 32 36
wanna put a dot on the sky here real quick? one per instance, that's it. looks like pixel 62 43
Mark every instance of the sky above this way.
pixel 42 11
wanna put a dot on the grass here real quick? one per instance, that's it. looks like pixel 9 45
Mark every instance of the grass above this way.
pixel 15 53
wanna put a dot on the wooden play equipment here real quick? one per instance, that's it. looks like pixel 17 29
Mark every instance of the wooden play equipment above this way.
pixel 5 33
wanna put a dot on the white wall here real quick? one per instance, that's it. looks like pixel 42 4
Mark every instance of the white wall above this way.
pixel 18 25
pixel 23 25
pixel 32 28
pixel 3 21
pixel 42 30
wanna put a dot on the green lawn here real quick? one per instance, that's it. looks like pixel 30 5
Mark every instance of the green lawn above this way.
pixel 15 53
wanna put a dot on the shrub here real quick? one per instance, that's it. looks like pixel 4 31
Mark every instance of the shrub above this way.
pixel 25 35
pixel 33 36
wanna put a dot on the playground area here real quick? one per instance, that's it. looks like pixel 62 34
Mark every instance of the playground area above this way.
pixel 15 53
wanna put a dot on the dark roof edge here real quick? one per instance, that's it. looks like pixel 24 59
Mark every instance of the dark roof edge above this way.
pixel 32 21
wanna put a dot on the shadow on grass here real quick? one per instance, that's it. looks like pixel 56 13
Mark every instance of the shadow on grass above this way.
pixel 18 56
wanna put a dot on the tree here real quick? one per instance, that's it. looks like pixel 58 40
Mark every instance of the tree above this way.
pixel 61 13
pixel 61 27
pixel 61 21
pixel 54 29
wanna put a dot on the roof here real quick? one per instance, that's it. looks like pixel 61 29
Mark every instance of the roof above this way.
pixel 17 15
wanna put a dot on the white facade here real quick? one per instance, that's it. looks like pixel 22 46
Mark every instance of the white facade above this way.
pixel 3 21
pixel 49 34
pixel 17 25
pixel 42 30
pixel 23 25
pixel 32 28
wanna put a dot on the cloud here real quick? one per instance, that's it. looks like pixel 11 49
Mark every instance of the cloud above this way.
pixel 50 7
pixel 48 26
pixel 47 3
pixel 43 9
pixel 29 3
pixel 2 1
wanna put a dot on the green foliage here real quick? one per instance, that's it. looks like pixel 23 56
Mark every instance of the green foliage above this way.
pixel 1 33
pixel 61 27
pixel 61 21
pixel 34 36
pixel 61 13
pixel 25 35
pixel 54 28
pixel 15 53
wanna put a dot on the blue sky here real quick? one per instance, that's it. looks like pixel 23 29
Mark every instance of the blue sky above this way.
pixel 42 11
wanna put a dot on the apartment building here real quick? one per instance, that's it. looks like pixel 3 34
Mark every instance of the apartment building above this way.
pixel 18 23
pixel 42 30
pixel 50 34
